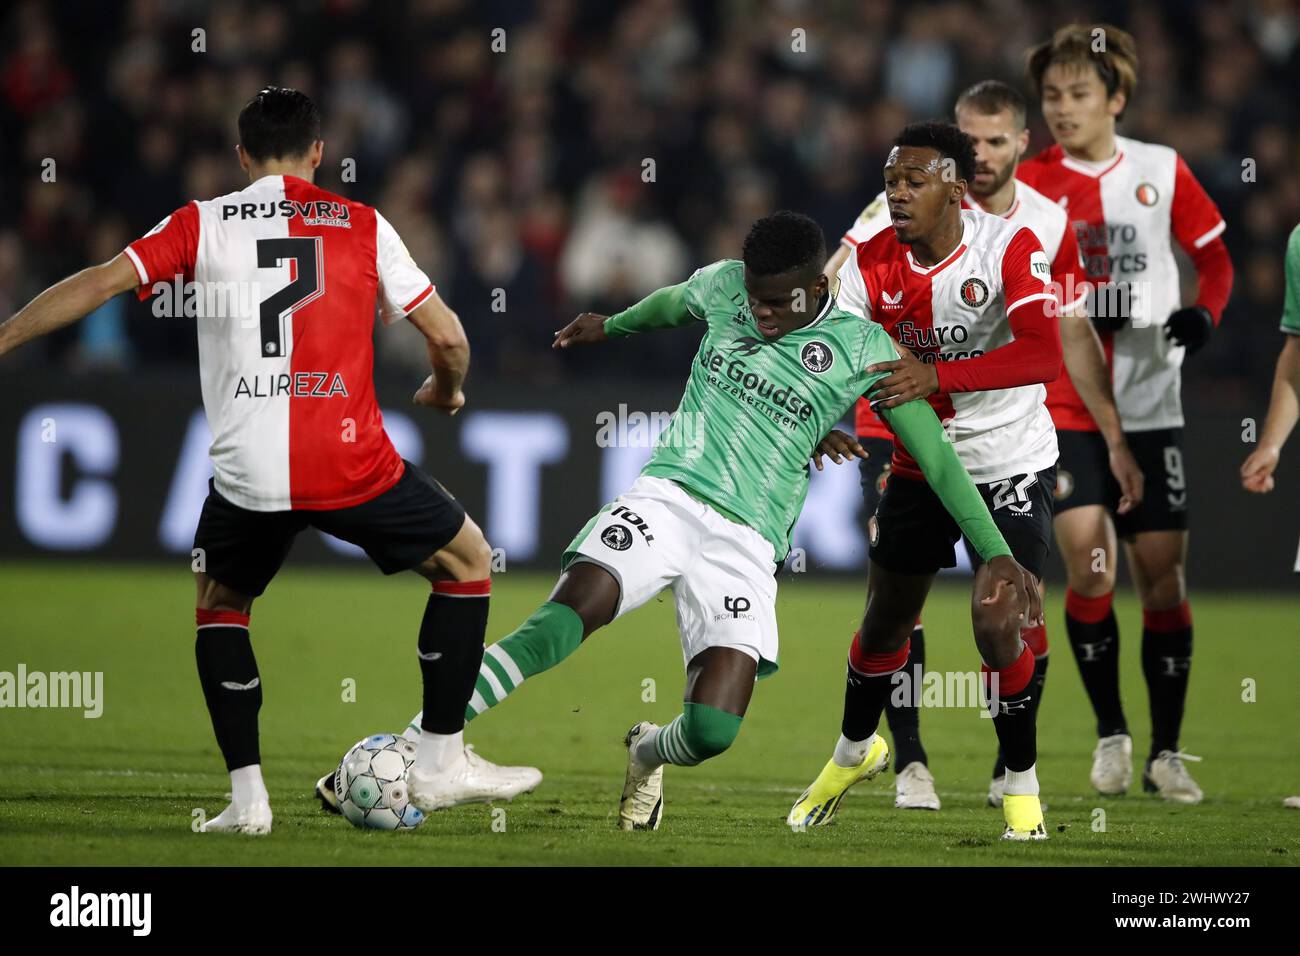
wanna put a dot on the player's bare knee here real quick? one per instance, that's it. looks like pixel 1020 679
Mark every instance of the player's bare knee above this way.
pixel 1167 591
pixel 883 637
pixel 467 557
pixel 215 596
pixel 478 559
pixel 997 637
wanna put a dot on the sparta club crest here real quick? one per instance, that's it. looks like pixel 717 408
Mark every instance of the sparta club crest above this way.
pixel 616 536
pixel 974 292
pixel 816 357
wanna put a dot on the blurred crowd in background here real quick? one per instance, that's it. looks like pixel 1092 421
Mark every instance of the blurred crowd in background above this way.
pixel 609 149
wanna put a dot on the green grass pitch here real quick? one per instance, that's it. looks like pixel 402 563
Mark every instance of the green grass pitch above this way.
pixel 122 789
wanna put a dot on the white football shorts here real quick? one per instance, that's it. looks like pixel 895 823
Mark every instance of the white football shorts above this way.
pixel 656 536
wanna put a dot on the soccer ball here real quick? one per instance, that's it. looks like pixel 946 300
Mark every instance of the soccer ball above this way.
pixel 371 784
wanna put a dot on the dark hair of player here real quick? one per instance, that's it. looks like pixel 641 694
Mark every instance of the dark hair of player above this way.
pixel 946 139
pixel 784 242
pixel 990 97
pixel 278 122
pixel 1109 50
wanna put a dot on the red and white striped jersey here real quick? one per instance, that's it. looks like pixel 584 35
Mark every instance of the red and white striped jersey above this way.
pixel 283 278
pixel 955 310
pixel 1125 213
pixel 1029 208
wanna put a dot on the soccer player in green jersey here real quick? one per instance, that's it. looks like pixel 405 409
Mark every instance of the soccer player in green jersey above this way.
pixel 1284 407
pixel 711 514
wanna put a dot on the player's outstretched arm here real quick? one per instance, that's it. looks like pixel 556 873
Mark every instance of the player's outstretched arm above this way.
pixel 1086 363
pixel 918 429
pixel 1283 412
pixel 448 354
pixel 662 309
pixel 68 301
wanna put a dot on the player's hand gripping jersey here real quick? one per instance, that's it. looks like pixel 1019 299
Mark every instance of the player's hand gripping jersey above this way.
pixel 754 409
pixel 1052 228
pixel 1125 212
pixel 991 291
pixel 286 280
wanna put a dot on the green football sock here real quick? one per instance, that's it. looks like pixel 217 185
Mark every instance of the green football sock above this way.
pixel 548 637
pixel 695 735
pixel 552 633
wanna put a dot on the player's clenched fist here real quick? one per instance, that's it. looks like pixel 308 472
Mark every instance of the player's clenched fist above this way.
pixel 1257 470
pixel 428 395
pixel 910 378
pixel 588 327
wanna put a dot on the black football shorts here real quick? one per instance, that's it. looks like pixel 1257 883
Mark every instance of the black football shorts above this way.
pixel 1084 478
pixel 913 533
pixel 399 529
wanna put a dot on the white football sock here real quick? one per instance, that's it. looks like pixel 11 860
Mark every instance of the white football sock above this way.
pixel 644 752
pixel 1022 782
pixel 412 731
pixel 246 786
pixel 438 752
pixel 851 753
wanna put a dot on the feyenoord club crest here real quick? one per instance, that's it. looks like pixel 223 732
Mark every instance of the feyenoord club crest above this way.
pixel 616 536
pixel 817 357
pixel 883 479
pixel 1146 194
pixel 974 292
pixel 1064 486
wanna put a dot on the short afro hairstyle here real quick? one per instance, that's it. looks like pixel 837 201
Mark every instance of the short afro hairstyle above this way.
pixel 278 122
pixel 945 139
pixel 784 242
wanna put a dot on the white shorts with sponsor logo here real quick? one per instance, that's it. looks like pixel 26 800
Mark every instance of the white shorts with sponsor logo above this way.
pixel 656 536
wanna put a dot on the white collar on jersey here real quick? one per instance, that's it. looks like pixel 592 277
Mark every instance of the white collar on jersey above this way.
pixel 1094 168
pixel 966 228
pixel 970 202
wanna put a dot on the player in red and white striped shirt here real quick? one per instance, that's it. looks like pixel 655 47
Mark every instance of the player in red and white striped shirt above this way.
pixel 968 298
pixel 992 114
pixel 1128 203
pixel 285 280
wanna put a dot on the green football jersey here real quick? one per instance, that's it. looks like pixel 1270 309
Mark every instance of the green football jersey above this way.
pixel 1291 305
pixel 755 409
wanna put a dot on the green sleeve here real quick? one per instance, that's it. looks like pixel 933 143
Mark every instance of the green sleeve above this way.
pixel 1291 304
pixel 918 428
pixel 664 308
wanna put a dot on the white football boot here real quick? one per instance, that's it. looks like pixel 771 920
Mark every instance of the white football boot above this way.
pixel 642 805
pixel 253 820
pixel 1167 777
pixel 1112 765
pixel 997 789
pixel 469 780
pixel 914 788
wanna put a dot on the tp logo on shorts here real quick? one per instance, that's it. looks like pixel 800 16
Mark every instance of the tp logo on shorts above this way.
pixel 616 536
pixel 736 609
pixel 816 357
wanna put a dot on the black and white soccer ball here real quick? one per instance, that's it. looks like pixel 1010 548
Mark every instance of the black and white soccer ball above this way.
pixel 371 784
